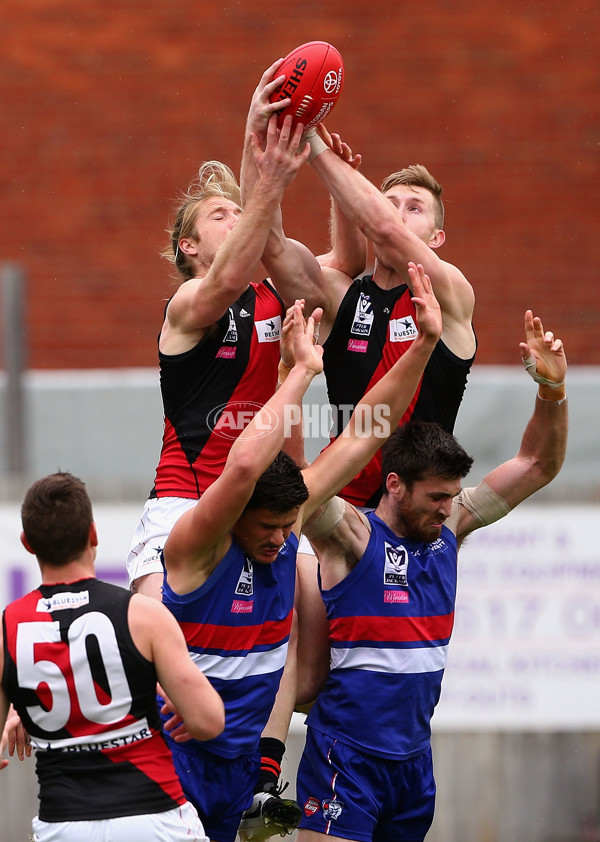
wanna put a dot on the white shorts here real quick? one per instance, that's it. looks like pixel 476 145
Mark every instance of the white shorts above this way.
pixel 158 518
pixel 179 825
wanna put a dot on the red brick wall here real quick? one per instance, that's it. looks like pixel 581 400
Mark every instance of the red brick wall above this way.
pixel 108 108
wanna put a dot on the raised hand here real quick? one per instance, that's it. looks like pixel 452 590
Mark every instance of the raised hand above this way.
pixel 543 355
pixel 261 109
pixel 304 335
pixel 281 158
pixel 429 314
pixel 337 145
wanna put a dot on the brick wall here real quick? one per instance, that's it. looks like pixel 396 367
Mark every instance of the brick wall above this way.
pixel 108 108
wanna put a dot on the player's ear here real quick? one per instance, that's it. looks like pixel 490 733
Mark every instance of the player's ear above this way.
pixel 394 485
pixel 188 246
pixel 437 239
pixel 25 543
pixel 93 535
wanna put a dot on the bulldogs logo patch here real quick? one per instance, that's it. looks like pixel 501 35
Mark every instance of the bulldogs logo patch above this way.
pixel 332 809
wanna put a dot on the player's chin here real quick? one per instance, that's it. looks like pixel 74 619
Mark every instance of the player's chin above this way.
pixel 434 531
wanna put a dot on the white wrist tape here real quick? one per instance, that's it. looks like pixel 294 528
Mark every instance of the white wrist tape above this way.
pixel 531 369
pixel 317 145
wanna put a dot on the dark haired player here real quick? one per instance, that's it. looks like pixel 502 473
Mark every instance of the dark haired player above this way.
pixel 388 581
pixel 79 660
pixel 230 563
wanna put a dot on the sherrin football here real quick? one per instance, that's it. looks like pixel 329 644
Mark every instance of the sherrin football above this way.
pixel 314 73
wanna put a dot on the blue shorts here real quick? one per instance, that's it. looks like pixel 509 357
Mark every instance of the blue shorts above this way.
pixel 345 792
pixel 219 788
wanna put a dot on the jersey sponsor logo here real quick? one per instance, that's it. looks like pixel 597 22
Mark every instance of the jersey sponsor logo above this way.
pixel 395 596
pixel 363 316
pixel 359 345
pixel 268 330
pixel 240 606
pixel 332 809
pixel 311 806
pixel 62 601
pixel 231 335
pixel 403 330
pixel 244 314
pixel 225 353
pixel 139 730
pixel 396 566
pixel 245 584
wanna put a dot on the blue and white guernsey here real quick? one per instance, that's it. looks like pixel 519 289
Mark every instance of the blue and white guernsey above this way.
pixel 390 622
pixel 237 627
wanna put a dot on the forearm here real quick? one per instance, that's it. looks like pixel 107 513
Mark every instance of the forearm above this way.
pixel 242 250
pixel 248 171
pixel 263 438
pixel 544 442
pixel 360 201
pixel 374 419
pixel 348 252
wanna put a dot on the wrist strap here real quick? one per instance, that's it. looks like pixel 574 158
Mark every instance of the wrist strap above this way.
pixel 317 145
pixel 530 364
pixel 282 372
pixel 558 401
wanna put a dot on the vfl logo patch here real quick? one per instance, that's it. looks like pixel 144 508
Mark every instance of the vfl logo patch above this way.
pixel 311 806
pixel 396 566
pixel 268 330
pixel 245 584
pixel 62 601
pixel 231 335
pixel 403 330
pixel 363 316
pixel 332 809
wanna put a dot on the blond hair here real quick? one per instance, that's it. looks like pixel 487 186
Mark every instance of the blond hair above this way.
pixel 213 179
pixel 416 175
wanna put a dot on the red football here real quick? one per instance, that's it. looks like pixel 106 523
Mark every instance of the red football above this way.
pixel 314 74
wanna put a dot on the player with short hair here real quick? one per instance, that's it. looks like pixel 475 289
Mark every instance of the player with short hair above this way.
pixel 367 324
pixel 79 660
pixel 388 581
pixel 230 562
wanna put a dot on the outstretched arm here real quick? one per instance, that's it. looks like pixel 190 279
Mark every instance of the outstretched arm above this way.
pixel 200 302
pixel 366 207
pixel 201 536
pixel 544 442
pixel 291 266
pixel 348 253
pixel 379 412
